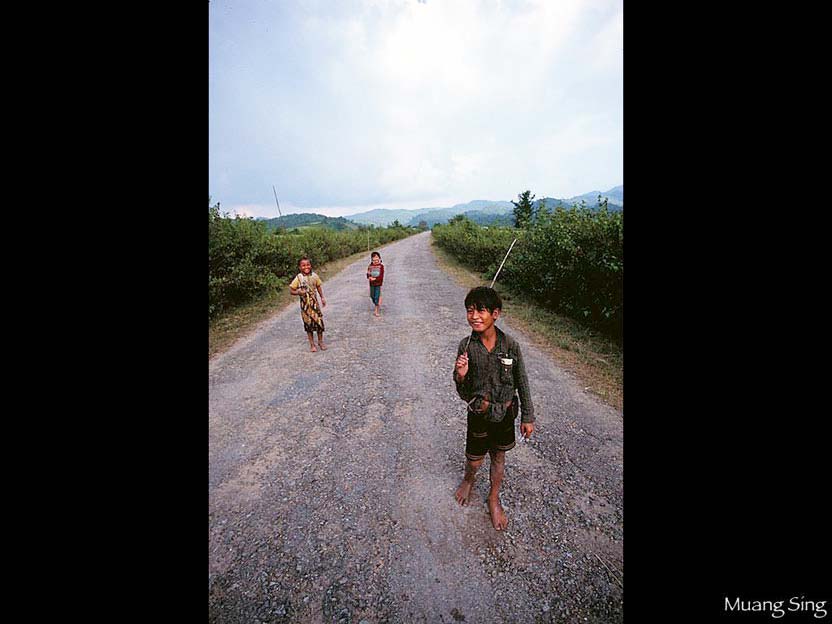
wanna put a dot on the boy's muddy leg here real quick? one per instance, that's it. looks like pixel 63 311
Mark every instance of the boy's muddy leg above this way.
pixel 320 340
pixel 463 492
pixel 498 464
pixel 311 342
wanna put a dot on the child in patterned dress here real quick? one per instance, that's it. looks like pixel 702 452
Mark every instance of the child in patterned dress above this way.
pixel 304 286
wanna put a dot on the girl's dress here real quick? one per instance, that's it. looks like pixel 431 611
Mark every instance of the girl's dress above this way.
pixel 310 311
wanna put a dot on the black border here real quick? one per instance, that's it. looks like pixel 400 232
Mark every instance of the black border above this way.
pixel 725 462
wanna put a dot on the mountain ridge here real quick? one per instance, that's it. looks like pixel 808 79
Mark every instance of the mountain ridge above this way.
pixel 482 211
pixel 484 207
pixel 307 219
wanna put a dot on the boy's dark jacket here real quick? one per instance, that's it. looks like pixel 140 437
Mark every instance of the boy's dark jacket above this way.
pixel 489 378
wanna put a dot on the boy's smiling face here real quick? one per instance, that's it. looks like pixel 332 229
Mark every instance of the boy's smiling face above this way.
pixel 376 260
pixel 305 267
pixel 482 320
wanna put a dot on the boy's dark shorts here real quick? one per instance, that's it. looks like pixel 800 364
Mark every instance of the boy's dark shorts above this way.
pixel 484 436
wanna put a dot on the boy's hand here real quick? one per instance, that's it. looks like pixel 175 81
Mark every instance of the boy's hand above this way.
pixel 526 429
pixel 323 302
pixel 462 366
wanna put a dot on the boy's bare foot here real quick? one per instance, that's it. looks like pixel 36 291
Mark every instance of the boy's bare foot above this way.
pixel 376 313
pixel 498 516
pixel 463 492
pixel 312 348
pixel 322 346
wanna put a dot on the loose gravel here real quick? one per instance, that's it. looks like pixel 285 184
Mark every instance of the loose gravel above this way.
pixel 332 474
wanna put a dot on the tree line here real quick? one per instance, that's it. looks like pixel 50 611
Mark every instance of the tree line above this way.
pixel 246 259
pixel 567 260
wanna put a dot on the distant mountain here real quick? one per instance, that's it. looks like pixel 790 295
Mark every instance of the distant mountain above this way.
pixel 617 193
pixel 431 216
pixel 483 207
pixel 614 196
pixel 490 218
pixel 382 216
pixel 485 211
pixel 306 220
pixel 551 203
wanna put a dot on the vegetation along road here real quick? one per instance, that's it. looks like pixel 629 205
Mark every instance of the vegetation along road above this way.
pixel 332 474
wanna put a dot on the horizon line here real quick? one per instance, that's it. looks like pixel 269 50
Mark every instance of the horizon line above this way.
pixel 256 211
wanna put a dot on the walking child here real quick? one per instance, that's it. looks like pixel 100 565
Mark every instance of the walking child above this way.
pixel 304 286
pixel 489 374
pixel 375 273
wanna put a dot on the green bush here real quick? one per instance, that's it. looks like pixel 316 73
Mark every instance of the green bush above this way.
pixel 569 261
pixel 246 259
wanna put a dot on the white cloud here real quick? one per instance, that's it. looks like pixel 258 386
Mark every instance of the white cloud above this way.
pixel 362 103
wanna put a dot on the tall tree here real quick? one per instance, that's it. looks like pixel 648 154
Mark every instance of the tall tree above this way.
pixel 543 211
pixel 523 209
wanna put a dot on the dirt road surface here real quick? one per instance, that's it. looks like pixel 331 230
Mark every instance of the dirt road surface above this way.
pixel 332 474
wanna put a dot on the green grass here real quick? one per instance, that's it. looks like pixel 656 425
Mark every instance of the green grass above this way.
pixel 597 361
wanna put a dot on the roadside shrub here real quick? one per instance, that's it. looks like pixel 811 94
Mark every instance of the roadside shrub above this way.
pixel 246 260
pixel 569 261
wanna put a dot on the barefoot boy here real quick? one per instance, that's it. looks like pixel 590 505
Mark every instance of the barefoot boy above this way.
pixel 489 374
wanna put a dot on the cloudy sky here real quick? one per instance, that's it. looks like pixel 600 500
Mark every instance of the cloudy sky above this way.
pixel 350 105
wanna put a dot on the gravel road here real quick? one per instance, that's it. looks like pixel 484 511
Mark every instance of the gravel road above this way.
pixel 332 474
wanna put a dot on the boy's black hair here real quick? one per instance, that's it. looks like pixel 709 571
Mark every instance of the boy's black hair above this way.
pixel 483 298
pixel 375 253
pixel 302 258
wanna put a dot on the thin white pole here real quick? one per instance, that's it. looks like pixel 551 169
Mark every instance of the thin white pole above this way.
pixel 494 280
pixel 502 263
pixel 277 202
